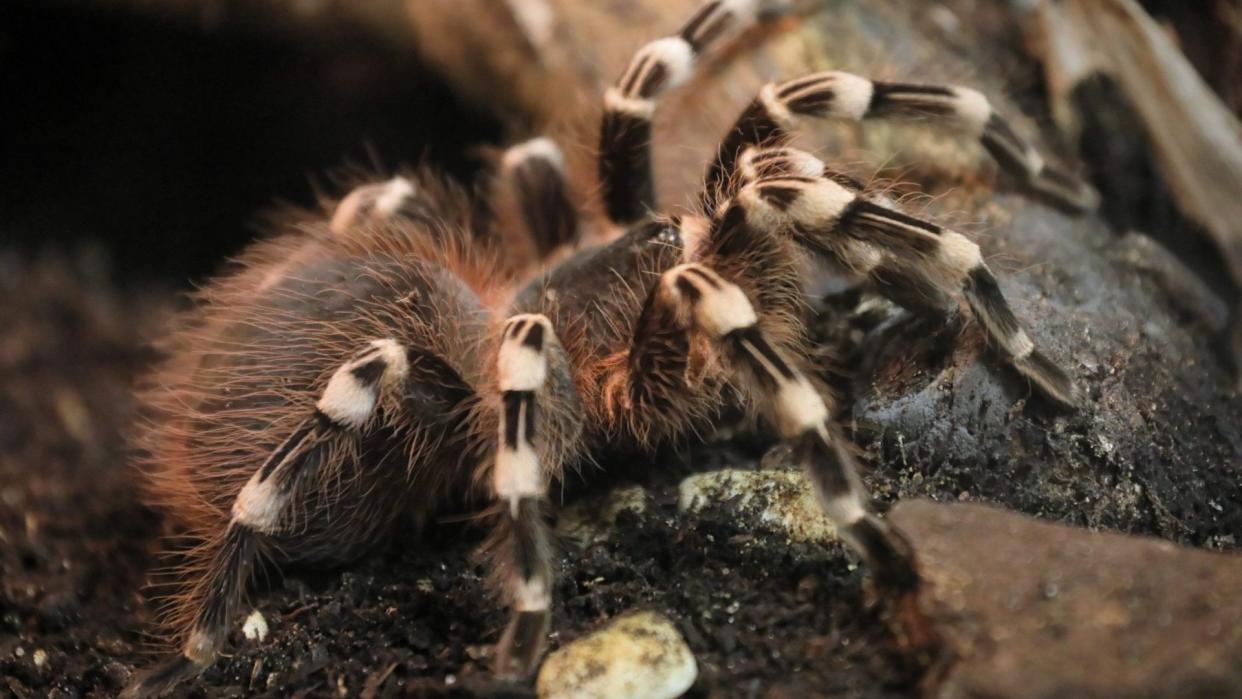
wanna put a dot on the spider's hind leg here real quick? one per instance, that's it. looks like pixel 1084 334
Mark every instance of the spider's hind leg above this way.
pixel 266 506
pixel 531 182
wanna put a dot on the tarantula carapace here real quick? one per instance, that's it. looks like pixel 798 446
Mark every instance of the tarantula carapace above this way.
pixel 391 357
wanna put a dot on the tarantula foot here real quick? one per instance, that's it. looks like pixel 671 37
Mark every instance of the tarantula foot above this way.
pixel 521 647
pixel 161 678
pixel 944 328
pixel 1065 191
pixel 888 555
pixel 1051 381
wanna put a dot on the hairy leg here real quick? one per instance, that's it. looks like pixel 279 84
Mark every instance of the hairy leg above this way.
pixel 266 505
pixel 770 118
pixel 693 302
pixel 629 105
pixel 531 180
pixel 901 254
pixel 520 546
pixel 377 201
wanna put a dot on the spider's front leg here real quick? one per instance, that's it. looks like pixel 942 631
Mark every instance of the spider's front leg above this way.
pixel 629 105
pixel 265 508
pixel 530 449
pixel 661 65
pixel 903 256
pixel 769 119
pixel 692 299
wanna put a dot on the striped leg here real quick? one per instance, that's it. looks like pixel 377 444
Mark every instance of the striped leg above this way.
pixel 625 128
pixel 837 95
pixel 767 162
pixel 378 201
pixel 520 545
pixel 532 176
pixel 263 507
pixel 889 246
pixel 721 311
pixel 903 284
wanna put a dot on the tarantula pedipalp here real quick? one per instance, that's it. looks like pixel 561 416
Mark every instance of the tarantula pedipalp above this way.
pixel 389 358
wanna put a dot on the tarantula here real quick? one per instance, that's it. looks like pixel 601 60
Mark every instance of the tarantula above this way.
pixel 377 362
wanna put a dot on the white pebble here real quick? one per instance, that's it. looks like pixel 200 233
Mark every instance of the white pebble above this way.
pixel 40 658
pixel 255 626
pixel 636 655
pixel 777 500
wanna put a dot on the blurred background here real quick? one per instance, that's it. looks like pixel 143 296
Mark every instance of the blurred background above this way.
pixel 155 138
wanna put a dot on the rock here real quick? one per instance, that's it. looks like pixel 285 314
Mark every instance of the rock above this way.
pixel 778 500
pixel 592 520
pixel 941 415
pixel 1032 609
pixel 639 654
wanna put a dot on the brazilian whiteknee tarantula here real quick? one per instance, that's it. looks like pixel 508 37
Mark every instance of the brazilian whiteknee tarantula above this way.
pixel 390 358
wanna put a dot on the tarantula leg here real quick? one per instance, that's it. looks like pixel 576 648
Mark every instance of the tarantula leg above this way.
pixel 887 245
pixel 376 201
pixel 520 543
pixel 722 312
pixel 625 128
pixel 263 508
pixel 533 172
pixel 837 95
pixel 770 162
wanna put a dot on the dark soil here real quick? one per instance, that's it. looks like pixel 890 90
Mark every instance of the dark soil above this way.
pixel 75 543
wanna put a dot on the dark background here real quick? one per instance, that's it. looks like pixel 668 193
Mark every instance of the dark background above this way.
pixel 164 141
